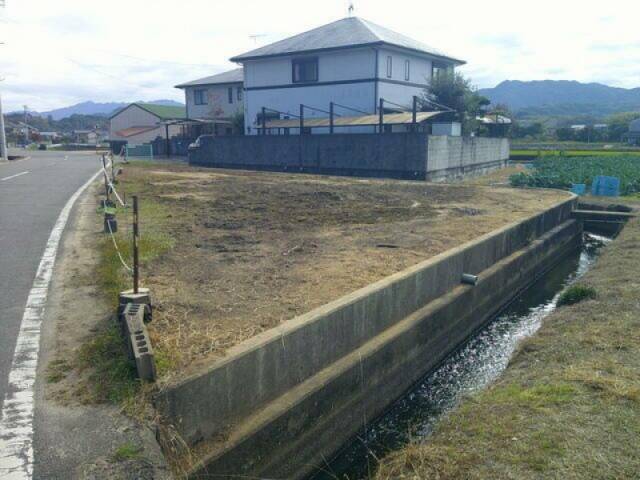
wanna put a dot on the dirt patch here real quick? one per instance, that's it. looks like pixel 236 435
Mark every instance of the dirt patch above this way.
pixel 251 250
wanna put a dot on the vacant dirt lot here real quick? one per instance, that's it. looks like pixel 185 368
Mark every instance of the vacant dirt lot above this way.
pixel 250 250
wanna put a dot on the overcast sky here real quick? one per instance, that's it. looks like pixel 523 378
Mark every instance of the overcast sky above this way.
pixel 60 52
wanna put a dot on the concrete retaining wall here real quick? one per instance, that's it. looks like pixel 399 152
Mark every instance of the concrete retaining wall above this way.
pixel 257 374
pixel 297 432
pixel 409 155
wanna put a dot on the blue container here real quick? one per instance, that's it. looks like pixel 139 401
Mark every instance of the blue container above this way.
pixel 578 188
pixel 603 186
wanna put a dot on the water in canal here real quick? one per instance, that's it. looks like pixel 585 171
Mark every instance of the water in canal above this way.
pixel 476 364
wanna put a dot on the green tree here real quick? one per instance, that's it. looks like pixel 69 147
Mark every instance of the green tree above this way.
pixel 454 91
pixel 238 123
pixel 618 125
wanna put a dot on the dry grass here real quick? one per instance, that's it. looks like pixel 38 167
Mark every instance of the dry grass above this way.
pixel 568 406
pixel 251 250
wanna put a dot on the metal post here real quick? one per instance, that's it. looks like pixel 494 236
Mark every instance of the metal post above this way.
pixel 3 139
pixel 331 117
pixel 106 178
pixel 263 121
pixel 381 116
pixel 136 238
pixel 167 142
pixel 301 119
pixel 414 118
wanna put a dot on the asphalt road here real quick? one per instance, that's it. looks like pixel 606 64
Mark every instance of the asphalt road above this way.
pixel 32 194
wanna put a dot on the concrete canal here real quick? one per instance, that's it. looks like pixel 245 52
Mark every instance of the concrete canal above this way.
pixel 472 367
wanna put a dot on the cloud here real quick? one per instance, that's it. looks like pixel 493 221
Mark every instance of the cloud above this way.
pixel 58 53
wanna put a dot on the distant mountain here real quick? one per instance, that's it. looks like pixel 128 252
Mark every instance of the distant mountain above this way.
pixel 93 108
pixel 563 97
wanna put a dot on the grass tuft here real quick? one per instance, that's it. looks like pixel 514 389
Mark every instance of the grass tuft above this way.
pixel 126 451
pixel 112 374
pixel 57 370
pixel 576 293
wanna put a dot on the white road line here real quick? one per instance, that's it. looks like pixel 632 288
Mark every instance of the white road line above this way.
pixel 16 418
pixel 14 176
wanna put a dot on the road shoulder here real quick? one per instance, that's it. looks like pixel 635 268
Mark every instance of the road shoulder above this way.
pixel 72 439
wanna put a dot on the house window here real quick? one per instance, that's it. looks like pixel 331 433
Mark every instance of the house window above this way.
pixel 230 94
pixel 389 66
pixel 407 70
pixel 305 70
pixel 438 71
pixel 200 97
pixel 239 94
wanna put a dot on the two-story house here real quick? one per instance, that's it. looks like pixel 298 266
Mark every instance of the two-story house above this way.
pixel 213 101
pixel 351 62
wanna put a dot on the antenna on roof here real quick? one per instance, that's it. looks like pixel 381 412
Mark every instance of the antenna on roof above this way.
pixel 254 37
pixel 351 8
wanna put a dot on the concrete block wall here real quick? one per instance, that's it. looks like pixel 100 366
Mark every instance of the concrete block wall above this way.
pixel 270 364
pixel 456 157
pixel 396 155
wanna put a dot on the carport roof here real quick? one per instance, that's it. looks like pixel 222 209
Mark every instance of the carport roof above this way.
pixel 363 120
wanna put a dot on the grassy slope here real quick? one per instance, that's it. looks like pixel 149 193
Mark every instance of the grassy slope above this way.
pixel 567 407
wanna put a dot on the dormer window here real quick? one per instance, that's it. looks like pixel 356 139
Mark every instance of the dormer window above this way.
pixel 305 70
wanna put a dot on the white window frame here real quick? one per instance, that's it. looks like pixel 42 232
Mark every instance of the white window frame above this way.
pixel 389 66
pixel 407 70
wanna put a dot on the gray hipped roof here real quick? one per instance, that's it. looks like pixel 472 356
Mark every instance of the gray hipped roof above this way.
pixel 232 76
pixel 348 32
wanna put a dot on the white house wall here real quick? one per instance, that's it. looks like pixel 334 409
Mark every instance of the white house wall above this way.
pixel 269 83
pixel 132 116
pixel 420 71
pixel 218 105
pixel 333 66
pixel 356 65
pixel 356 95
pixel 396 89
pixel 399 94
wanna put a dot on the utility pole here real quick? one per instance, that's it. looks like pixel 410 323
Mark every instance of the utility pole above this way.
pixel 4 156
pixel 26 126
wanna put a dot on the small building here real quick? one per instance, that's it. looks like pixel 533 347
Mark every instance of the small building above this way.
pixel 496 124
pixel 352 63
pixel 212 102
pixel 142 123
pixel 93 136
pixel 634 132
pixel 50 136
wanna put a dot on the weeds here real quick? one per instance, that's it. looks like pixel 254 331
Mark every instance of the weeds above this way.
pixel 126 451
pixel 576 293
pixel 112 374
pixel 57 370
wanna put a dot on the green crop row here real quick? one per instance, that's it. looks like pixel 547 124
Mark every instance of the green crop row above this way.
pixel 562 172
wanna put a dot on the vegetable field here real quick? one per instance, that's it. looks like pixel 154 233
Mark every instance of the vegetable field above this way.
pixel 561 172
